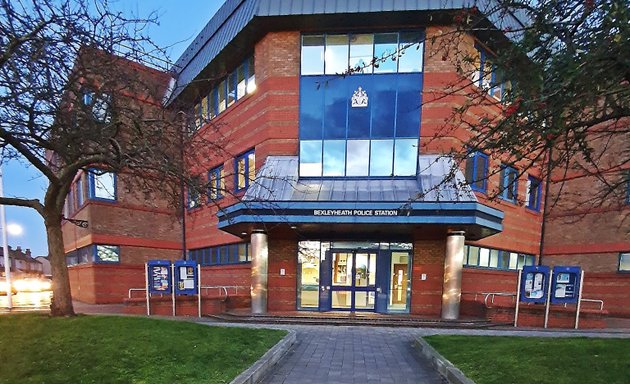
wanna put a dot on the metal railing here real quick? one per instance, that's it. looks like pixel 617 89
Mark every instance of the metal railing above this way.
pixel 491 296
pixel 135 290
pixel 224 289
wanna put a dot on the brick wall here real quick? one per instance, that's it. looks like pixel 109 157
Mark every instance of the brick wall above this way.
pixel 428 258
pixel 282 289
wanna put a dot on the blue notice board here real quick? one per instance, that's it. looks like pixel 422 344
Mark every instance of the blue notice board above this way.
pixel 565 286
pixel 534 284
pixel 159 276
pixel 185 277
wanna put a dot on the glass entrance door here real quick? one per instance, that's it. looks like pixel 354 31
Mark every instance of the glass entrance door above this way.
pixel 353 280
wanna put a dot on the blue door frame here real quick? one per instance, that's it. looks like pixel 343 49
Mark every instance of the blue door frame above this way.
pixel 379 289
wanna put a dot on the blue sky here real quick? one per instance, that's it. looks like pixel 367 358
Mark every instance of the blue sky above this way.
pixel 179 22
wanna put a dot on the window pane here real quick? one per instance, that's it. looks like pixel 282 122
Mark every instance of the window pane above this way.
pixel 240 169
pixel 311 108
pixel 108 253
pixel 104 186
pixel 473 256
pixel 231 95
pixel 381 157
pixel 480 172
pixel 409 103
pixel 359 116
pixel 624 262
pixel 204 109
pixel 494 258
pixel 336 108
pixel 312 55
pixel 310 158
pixel 212 103
pixel 221 89
pixel 334 157
pixel 410 50
pixel 484 257
pixel 383 100
pixel 241 80
pixel 251 80
pixel 242 252
pixel 361 52
pixel 385 46
pixel 358 158
pixel 405 157
pixel 336 54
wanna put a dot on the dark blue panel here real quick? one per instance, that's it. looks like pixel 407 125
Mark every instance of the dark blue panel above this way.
pixel 382 280
pixel 565 286
pixel 335 108
pixel 359 117
pixel 311 107
pixel 534 284
pixel 325 282
pixel 383 100
pixel 185 277
pixel 159 276
pixel 409 103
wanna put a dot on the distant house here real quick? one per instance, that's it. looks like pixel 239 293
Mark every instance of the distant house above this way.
pixel 45 265
pixel 22 262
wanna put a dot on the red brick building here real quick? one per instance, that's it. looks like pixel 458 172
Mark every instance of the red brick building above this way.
pixel 327 192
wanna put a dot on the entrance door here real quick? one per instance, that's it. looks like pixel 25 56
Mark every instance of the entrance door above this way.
pixel 353 280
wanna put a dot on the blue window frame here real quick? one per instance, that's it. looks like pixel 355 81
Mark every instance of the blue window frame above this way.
pixel 102 185
pixel 508 186
pixel 235 253
pixel 486 75
pixel 490 258
pixel 477 171
pixel 534 192
pixel 245 167
pixel 194 197
pixel 216 185
pixel 106 253
pixel 98 104
pixel 624 262
pixel 80 191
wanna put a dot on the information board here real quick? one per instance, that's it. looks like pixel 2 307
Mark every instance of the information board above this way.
pixel 565 286
pixel 185 277
pixel 534 284
pixel 159 274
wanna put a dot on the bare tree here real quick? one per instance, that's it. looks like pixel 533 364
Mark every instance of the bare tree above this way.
pixel 73 99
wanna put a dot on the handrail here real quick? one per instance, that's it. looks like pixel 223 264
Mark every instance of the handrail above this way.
pixel 223 288
pixel 135 290
pixel 492 295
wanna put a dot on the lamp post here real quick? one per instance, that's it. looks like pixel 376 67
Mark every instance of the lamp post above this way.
pixel 5 247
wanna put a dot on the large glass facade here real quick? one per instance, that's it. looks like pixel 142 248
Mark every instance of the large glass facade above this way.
pixel 365 123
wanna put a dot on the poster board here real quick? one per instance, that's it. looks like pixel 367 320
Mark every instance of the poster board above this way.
pixel 534 284
pixel 565 286
pixel 185 277
pixel 159 276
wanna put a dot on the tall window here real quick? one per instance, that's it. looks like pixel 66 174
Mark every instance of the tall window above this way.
pixel 245 166
pixel 366 124
pixel 194 197
pixel 102 185
pixel 624 262
pixel 477 171
pixel 487 76
pixel 215 183
pixel 98 104
pixel 508 185
pixel 534 192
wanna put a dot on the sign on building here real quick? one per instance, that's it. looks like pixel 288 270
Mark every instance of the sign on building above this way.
pixel 159 276
pixel 185 277
pixel 534 284
pixel 565 286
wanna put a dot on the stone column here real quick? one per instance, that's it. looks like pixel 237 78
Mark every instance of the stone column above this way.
pixel 260 263
pixel 453 264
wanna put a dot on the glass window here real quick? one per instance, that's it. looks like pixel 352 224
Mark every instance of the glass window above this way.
pixel 243 256
pixel 358 158
pixel 251 80
pixel 508 183
pixel 310 158
pixel 245 170
pixel 405 157
pixel 312 55
pixel 102 185
pixel 241 81
pixel 410 51
pixel 101 108
pixel 334 157
pixel 221 97
pixel 494 259
pixel 473 255
pixel 311 108
pixel 194 197
pixel 385 52
pixel 336 108
pixel 477 171
pixel 215 183
pixel 361 53
pixel 308 274
pixel 381 157
pixel 212 103
pixel 484 257
pixel 624 262
pixel 336 54
pixel 107 253
pixel 408 105
pixel 383 100
pixel 231 91
pixel 359 117
pixel 534 188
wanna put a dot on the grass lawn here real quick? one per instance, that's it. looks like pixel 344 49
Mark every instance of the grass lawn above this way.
pixel 505 360
pixel 102 349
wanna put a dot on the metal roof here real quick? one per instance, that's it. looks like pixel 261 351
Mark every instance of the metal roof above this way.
pixel 438 180
pixel 235 15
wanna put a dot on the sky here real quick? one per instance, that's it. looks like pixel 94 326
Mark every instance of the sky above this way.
pixel 179 22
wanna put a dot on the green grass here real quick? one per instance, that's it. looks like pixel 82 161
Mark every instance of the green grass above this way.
pixel 102 349
pixel 507 360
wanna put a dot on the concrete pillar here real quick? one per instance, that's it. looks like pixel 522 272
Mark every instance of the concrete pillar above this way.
pixel 260 264
pixel 453 264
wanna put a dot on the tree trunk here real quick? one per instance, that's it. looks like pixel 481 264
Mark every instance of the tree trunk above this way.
pixel 61 304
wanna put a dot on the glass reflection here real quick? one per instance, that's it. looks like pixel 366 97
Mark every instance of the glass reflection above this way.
pixel 405 157
pixel 361 52
pixel 336 54
pixel 358 158
pixel 381 157
pixel 411 50
pixel 308 274
pixel 383 99
pixel 312 55
pixel 385 46
pixel 336 108
pixel 334 157
pixel 359 118
pixel 310 158
pixel 311 108
pixel 408 105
